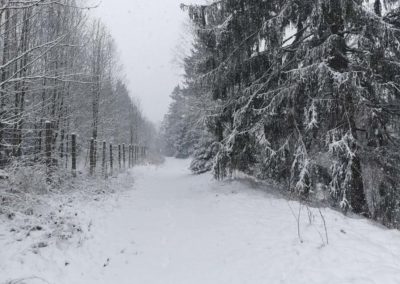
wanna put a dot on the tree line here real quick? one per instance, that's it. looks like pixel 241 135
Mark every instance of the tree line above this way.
pixel 305 93
pixel 60 65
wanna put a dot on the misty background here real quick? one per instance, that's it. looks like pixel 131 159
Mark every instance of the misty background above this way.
pixel 151 37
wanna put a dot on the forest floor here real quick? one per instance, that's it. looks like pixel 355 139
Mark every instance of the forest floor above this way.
pixel 173 227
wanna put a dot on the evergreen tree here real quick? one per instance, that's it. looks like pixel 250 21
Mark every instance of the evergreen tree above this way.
pixel 307 93
pixel 176 126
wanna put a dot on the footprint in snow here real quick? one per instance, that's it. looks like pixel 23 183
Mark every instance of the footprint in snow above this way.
pixel 107 263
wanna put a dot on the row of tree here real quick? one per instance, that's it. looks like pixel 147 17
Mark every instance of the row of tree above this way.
pixel 60 65
pixel 302 92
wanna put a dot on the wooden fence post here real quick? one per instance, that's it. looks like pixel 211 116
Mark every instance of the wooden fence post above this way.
pixel 66 150
pixel 95 154
pixel 130 156
pixel 92 156
pixel 103 162
pixel 73 153
pixel 123 155
pixel 119 156
pixel 111 160
pixel 132 160
pixel 62 137
pixel 49 137
pixel 40 140
pixel 134 155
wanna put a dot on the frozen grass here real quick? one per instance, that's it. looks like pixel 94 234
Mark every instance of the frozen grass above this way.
pixel 35 214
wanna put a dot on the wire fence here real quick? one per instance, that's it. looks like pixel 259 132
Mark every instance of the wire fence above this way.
pixel 60 150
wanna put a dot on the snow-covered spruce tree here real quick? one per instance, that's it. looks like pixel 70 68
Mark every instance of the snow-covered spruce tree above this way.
pixel 230 42
pixel 184 132
pixel 308 93
pixel 177 127
pixel 201 108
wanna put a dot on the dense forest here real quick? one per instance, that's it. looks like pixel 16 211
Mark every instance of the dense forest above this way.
pixel 277 160
pixel 60 67
pixel 304 93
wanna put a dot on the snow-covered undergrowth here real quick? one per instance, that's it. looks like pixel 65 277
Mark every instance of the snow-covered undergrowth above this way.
pixel 36 214
pixel 173 227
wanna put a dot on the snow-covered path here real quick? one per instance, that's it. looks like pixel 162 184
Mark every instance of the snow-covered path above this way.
pixel 173 227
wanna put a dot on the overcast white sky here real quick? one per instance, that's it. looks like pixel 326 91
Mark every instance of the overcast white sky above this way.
pixel 147 33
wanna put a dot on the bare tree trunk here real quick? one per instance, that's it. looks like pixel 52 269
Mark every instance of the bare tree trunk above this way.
pixel 4 74
pixel 21 87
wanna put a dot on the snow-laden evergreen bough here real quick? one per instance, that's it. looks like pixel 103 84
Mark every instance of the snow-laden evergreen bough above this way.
pixel 305 93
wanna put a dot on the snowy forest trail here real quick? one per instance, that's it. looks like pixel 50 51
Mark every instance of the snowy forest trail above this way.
pixel 173 227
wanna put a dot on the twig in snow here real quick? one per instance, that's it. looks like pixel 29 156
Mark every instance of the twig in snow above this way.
pixel 22 280
pixel 325 227
pixel 298 223
pixel 297 220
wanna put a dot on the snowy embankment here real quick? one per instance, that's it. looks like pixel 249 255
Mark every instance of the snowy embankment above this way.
pixel 172 227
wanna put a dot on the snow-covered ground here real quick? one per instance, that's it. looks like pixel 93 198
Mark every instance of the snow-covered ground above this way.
pixel 173 227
